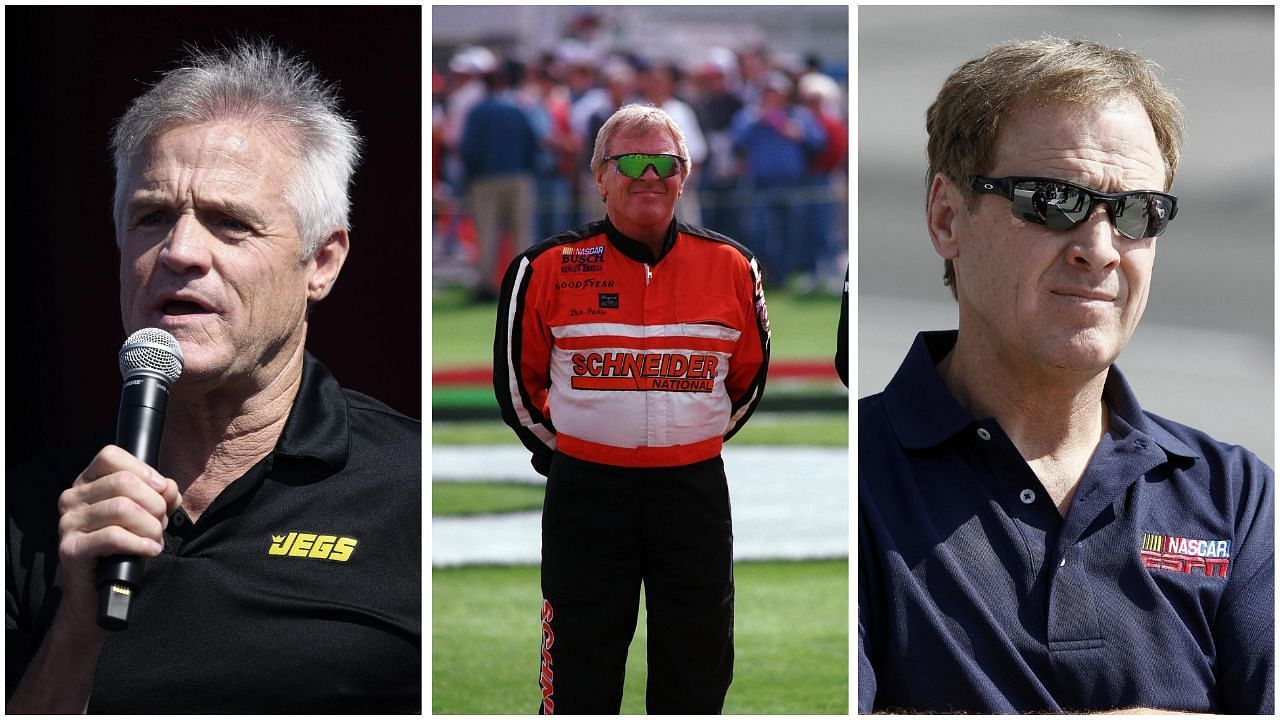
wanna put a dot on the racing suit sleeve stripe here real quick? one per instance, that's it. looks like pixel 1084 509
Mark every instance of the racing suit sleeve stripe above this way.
pixel 752 354
pixel 516 349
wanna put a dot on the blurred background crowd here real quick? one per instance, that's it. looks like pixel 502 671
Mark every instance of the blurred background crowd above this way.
pixel 518 95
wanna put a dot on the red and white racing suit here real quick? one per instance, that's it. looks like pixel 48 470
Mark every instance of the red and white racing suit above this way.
pixel 624 373
pixel 613 357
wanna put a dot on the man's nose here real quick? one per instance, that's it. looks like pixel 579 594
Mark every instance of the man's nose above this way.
pixel 187 247
pixel 1093 241
pixel 648 169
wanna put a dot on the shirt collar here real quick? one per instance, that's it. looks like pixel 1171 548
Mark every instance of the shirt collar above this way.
pixel 924 413
pixel 921 409
pixel 317 427
pixel 1124 406
pixel 635 249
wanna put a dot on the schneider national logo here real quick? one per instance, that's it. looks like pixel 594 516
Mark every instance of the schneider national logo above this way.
pixel 669 371
pixel 313 545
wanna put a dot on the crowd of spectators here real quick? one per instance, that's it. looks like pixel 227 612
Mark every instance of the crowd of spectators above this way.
pixel 768 141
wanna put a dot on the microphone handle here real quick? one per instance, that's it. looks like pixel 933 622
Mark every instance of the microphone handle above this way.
pixel 138 429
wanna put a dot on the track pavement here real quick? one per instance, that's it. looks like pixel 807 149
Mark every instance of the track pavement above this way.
pixel 789 503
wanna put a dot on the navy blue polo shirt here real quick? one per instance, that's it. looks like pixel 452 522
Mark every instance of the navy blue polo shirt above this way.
pixel 975 594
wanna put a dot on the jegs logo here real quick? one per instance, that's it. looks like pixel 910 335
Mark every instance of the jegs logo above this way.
pixel 1184 555
pixel 588 259
pixel 313 545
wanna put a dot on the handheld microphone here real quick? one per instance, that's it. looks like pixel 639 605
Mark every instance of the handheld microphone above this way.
pixel 150 361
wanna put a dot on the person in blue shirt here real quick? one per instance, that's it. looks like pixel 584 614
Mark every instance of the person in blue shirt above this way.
pixel 500 151
pixel 1029 538
pixel 776 139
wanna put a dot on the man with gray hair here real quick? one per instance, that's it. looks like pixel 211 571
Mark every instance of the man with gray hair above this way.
pixel 1029 538
pixel 281 504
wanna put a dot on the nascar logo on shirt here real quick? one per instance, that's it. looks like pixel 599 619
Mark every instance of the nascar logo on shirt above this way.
pixel 1186 555
pixel 671 372
pixel 588 259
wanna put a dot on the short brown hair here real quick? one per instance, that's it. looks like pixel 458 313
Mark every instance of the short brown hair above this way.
pixel 965 119
pixel 636 119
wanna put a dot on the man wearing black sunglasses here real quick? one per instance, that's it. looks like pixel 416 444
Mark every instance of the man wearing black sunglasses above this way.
pixel 627 351
pixel 1030 539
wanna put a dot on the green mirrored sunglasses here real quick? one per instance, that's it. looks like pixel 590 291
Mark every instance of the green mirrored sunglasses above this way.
pixel 633 165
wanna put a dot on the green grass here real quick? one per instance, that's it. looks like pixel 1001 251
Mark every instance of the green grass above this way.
pixel 461 332
pixel 804 327
pixel 791 630
pixel 483 498
pixel 824 429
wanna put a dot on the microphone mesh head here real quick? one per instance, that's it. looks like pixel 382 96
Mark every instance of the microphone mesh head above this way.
pixel 151 349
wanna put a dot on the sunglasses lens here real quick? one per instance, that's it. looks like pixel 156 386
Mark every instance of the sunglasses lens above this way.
pixel 633 166
pixel 1143 215
pixel 1057 206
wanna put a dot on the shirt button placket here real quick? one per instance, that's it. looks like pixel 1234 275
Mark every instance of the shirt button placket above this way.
pixel 1027 496
pixel 179 528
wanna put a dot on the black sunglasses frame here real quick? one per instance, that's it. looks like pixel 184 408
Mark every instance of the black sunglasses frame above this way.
pixel 1004 186
pixel 617 169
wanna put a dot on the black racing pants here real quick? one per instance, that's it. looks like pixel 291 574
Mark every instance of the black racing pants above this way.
pixel 607 529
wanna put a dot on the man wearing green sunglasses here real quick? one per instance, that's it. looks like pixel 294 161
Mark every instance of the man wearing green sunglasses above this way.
pixel 1031 539
pixel 627 351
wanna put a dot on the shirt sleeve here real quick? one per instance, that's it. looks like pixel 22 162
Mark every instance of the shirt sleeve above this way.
pixel 1244 626
pixel 866 674
pixel 867 587
pixel 522 363
pixel 17 641
pixel 33 580
pixel 749 364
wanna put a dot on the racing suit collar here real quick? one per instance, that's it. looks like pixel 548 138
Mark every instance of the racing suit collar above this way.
pixel 635 249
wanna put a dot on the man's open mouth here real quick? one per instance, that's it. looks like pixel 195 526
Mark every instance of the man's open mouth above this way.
pixel 182 307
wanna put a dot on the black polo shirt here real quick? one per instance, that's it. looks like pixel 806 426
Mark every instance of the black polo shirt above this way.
pixel 975 594
pixel 299 590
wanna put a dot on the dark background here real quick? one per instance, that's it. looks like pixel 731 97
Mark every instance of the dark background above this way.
pixel 71 72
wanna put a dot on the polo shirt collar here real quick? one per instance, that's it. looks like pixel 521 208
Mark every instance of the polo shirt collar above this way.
pixel 924 413
pixel 1125 409
pixel 921 409
pixel 317 427
pixel 635 249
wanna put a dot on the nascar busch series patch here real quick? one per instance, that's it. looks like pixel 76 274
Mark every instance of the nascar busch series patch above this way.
pixel 588 259
pixel 663 371
pixel 1186 555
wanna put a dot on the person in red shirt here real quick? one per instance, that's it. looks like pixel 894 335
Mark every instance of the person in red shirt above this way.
pixel 627 351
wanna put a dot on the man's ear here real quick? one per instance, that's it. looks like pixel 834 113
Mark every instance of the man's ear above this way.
pixel 324 266
pixel 945 205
